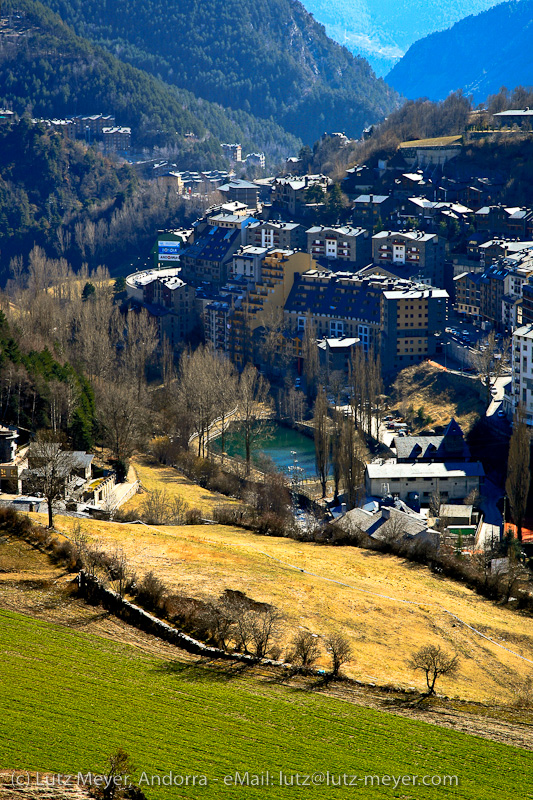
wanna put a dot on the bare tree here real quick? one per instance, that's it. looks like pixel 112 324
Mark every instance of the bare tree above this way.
pixel 50 468
pixel 141 341
pixel 122 418
pixel 310 357
pixel 197 392
pixel 305 649
pixel 321 429
pixel 339 650
pixel 159 508
pixel 224 375
pixel 489 362
pixel 352 461
pixel 433 662
pixel 253 396
pixel 518 476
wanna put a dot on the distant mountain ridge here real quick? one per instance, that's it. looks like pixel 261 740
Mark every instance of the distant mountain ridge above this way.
pixel 480 54
pixel 382 30
pixel 267 57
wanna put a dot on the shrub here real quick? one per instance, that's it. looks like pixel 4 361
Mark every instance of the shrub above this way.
pixel 193 516
pixel 151 592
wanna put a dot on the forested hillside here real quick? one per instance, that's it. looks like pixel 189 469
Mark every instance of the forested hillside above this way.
pixel 480 54
pixel 45 180
pixel 46 69
pixel 268 57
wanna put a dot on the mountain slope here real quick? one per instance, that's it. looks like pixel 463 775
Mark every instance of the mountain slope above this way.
pixel 382 30
pixel 268 57
pixel 479 55
pixel 47 69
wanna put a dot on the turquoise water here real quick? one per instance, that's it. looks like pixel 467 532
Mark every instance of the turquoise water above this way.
pixel 276 445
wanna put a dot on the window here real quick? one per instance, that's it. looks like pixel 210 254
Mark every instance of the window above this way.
pixel 301 323
pixel 336 328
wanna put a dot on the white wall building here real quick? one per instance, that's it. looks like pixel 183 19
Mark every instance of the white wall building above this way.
pixel 522 364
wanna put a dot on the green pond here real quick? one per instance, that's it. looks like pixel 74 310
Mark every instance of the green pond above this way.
pixel 280 444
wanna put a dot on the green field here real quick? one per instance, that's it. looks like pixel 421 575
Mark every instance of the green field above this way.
pixel 68 699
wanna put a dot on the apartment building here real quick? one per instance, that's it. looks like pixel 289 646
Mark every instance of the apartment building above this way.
pixel 522 371
pixel 411 319
pixel 422 254
pixel 272 234
pixel 290 194
pixel 351 247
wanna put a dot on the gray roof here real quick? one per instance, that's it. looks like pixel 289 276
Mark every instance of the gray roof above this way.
pixel 453 510
pixel 372 198
pixel 391 469
pixel 375 524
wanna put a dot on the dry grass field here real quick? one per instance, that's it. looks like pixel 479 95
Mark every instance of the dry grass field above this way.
pixel 441 394
pixel 157 476
pixel 387 607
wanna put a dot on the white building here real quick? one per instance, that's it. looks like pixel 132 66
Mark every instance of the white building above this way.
pixel 453 481
pixel 522 364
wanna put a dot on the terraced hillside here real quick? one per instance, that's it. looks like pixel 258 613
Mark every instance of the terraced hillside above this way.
pixel 386 607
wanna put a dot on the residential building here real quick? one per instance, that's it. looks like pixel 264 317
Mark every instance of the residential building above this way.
pixel 412 184
pixel 450 480
pixel 358 180
pixel 168 299
pixel 496 221
pixel 91 127
pixel 370 210
pixel 514 116
pixel 232 151
pixel 350 247
pixel 527 301
pixel 272 234
pixel 423 254
pixel 116 139
pixel 248 262
pixel 337 305
pixel 411 320
pixel 335 355
pixel 290 194
pixel 495 249
pixel 427 466
pixel 448 446
pixel 240 191
pixel 468 295
pixel 256 160
pixel 209 258
pixel 522 371
pixel 265 300
pixel 386 522
pixel 171 302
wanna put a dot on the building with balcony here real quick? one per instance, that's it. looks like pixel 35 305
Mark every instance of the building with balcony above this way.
pixel 276 234
pixel 349 246
pixel 421 254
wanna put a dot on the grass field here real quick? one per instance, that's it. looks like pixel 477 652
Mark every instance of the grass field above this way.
pixel 439 141
pixel 157 476
pixel 387 609
pixel 69 699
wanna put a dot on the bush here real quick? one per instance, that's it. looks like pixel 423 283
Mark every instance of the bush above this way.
pixel 193 516
pixel 151 592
